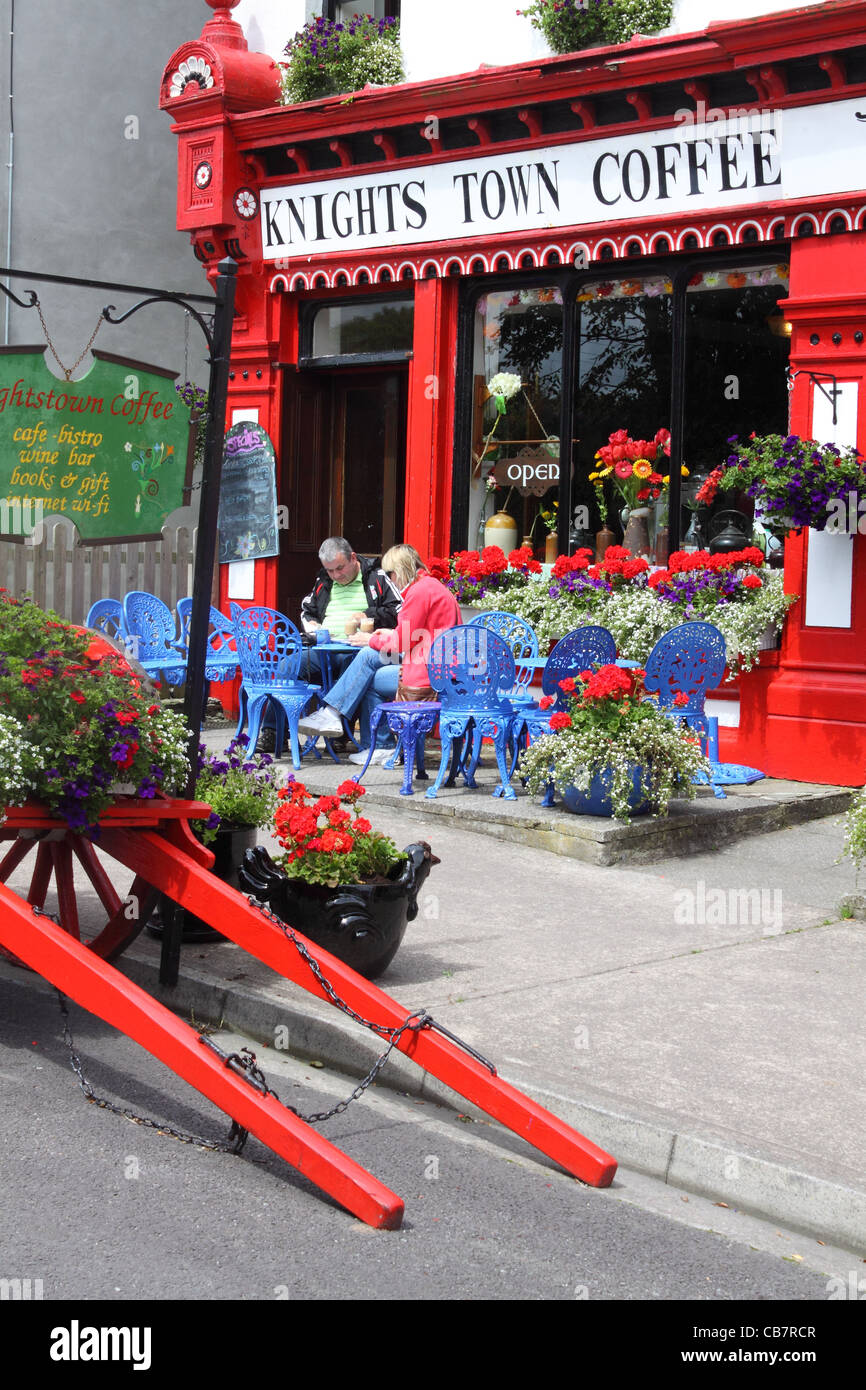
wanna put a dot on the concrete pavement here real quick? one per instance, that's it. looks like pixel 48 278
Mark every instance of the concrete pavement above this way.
pixel 698 1016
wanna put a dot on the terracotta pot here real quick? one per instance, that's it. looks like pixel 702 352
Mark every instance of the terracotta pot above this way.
pixel 603 539
pixel 361 924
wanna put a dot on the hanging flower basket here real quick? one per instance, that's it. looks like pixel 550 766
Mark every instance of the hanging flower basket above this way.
pixel 794 482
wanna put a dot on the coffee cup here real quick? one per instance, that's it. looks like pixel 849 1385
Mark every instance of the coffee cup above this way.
pixel 322 635
pixel 367 624
pixel 351 627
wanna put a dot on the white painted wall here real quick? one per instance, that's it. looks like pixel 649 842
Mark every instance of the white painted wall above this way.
pixel 440 37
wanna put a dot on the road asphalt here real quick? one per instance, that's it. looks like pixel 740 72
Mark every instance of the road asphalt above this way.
pixel 698 1016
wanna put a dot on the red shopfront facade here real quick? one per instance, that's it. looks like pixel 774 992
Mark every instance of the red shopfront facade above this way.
pixel 633 229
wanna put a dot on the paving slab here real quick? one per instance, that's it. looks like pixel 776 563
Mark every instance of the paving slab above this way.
pixel 690 827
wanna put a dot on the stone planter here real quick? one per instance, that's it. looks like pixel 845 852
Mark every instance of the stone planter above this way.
pixel 362 924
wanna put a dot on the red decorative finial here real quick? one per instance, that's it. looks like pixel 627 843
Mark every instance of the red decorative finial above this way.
pixel 221 29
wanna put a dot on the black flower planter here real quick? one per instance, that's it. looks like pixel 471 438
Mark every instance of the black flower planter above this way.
pixel 361 924
pixel 229 846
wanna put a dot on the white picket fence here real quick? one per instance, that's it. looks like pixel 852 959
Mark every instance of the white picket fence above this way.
pixel 62 574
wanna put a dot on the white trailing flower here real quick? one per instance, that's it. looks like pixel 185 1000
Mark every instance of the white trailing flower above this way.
pixel 19 764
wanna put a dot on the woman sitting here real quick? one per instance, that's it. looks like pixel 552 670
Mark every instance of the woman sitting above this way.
pixel 375 675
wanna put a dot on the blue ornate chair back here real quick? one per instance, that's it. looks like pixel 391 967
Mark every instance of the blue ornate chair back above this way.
pixel 577 651
pixel 470 667
pixel 268 646
pixel 520 638
pixel 221 630
pixel 148 619
pixel 106 616
pixel 689 660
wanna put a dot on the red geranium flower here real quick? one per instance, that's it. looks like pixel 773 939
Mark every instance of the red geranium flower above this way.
pixel 560 720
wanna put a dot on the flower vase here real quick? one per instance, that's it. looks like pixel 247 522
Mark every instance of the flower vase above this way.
pixel 229 847
pixel 603 539
pixel 551 548
pixel 501 530
pixel 636 538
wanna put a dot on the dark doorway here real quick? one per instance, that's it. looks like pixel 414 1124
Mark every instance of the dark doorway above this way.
pixel 343 469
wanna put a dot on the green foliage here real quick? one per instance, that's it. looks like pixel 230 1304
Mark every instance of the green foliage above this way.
pixel 569 25
pixel 239 791
pixel 326 57
pixel 855 829
pixel 327 842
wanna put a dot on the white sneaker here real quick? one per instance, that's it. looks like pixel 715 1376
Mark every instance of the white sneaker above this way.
pixel 377 756
pixel 321 721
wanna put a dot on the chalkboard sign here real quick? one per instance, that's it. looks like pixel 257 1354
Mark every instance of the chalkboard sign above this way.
pixel 248 495
pixel 111 451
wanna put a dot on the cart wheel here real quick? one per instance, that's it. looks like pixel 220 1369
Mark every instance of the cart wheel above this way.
pixel 56 854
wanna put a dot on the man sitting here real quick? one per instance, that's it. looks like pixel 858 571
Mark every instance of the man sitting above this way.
pixel 347 586
pixel 375 674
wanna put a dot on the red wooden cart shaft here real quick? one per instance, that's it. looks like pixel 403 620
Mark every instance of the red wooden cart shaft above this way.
pixel 101 989
pixel 162 860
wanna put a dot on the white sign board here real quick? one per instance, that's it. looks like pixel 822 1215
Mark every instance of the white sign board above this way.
pixel 745 160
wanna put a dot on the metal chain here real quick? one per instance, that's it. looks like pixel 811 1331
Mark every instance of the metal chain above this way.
pixel 233 1145
pixel 383 1028
pixel 386 1031
pixel 245 1062
pixel 67 371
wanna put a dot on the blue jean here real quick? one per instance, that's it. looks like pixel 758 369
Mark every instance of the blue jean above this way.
pixel 368 681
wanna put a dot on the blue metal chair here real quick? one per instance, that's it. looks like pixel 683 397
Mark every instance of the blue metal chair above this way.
pixel 470 667
pixel 222 656
pixel 152 637
pixel 582 650
pixel 522 641
pixel 524 648
pixel 269 651
pixel 683 665
pixel 106 616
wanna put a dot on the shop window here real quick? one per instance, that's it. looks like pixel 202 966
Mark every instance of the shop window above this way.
pixel 623 371
pixel 345 9
pixel 515 444
pixel 736 352
pixel 365 327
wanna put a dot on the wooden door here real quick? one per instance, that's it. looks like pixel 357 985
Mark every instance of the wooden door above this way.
pixel 343 469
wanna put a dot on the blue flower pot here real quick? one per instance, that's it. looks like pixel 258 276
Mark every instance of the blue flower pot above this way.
pixel 596 800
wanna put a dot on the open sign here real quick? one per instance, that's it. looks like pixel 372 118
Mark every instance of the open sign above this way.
pixel 533 472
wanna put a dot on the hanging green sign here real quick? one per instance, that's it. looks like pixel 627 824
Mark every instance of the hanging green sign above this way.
pixel 112 451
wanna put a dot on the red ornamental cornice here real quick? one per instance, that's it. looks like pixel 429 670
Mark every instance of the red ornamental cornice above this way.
pixel 608 248
pixel 744 46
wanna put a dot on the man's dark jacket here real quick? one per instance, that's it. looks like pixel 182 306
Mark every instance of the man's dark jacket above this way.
pixel 383 600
